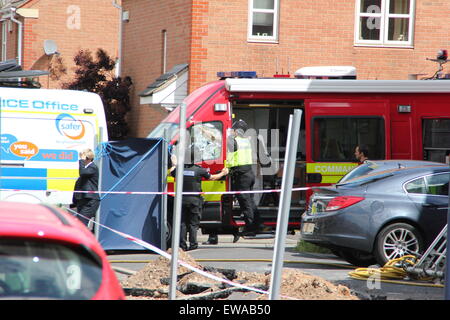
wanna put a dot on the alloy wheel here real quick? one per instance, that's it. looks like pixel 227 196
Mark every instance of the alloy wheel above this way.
pixel 399 242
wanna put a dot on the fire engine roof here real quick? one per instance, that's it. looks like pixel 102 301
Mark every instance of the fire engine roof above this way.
pixel 355 86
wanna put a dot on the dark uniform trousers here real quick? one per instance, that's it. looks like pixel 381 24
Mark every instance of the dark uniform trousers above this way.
pixel 190 220
pixel 244 181
pixel 87 208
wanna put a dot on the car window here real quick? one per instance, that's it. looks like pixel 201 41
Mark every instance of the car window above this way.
pixel 45 270
pixel 436 184
pixel 359 171
pixel 416 186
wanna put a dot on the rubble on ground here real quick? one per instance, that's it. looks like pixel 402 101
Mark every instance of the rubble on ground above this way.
pixel 152 282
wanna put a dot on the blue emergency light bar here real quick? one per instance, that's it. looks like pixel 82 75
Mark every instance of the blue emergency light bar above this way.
pixel 236 74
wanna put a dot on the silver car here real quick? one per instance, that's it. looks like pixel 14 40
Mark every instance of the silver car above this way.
pixel 380 216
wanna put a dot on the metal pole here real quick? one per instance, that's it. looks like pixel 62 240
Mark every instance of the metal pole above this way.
pixel 178 199
pixel 447 251
pixel 100 182
pixel 285 204
pixel 164 155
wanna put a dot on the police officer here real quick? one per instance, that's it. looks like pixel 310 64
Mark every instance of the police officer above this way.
pixel 87 203
pixel 240 163
pixel 192 205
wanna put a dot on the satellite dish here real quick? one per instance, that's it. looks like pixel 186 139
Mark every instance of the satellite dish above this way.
pixel 50 47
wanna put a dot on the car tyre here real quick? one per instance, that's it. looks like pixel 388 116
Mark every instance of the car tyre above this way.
pixel 397 240
pixel 168 234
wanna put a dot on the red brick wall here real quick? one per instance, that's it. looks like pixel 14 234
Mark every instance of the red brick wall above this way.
pixel 311 33
pixel 316 33
pixel 95 26
pixel 143 48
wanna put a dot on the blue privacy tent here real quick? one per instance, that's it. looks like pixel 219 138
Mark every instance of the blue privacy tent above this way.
pixel 131 165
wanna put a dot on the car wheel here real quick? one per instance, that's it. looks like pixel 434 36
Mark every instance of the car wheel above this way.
pixel 356 257
pixel 168 235
pixel 397 240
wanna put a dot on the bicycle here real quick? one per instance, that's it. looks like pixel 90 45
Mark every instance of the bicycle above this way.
pixel 441 59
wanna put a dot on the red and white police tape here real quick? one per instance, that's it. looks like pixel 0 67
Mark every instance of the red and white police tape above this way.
pixel 161 192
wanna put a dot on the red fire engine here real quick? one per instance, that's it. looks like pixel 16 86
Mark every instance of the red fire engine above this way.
pixel 396 119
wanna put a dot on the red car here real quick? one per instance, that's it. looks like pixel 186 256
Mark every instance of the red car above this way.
pixel 45 253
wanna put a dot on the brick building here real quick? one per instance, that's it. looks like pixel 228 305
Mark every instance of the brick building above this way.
pixel 383 39
pixel 62 27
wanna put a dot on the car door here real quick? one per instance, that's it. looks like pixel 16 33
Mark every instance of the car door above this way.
pixel 430 195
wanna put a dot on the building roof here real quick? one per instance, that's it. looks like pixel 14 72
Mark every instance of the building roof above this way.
pixel 10 72
pixel 12 3
pixel 165 80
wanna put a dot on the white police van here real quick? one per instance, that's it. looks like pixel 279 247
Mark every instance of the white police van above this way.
pixel 42 132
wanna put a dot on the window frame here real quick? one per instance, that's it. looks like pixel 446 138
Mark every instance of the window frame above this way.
pixel 275 11
pixel 385 16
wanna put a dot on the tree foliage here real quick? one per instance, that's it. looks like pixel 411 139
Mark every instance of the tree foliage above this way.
pixel 97 75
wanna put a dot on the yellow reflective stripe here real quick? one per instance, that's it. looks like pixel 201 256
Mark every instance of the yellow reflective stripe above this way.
pixel 66 179
pixel 213 186
pixel 330 168
pixel 330 179
pixel 331 172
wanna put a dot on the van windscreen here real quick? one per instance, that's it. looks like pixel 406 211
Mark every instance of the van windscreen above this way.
pixel 158 132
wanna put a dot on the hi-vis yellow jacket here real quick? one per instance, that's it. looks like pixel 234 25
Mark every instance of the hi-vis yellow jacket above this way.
pixel 242 156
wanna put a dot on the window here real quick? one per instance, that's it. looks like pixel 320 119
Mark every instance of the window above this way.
pixel 384 22
pixel 207 137
pixel 436 185
pixel 335 138
pixel 436 139
pixel 263 20
pixel 416 186
pixel 171 129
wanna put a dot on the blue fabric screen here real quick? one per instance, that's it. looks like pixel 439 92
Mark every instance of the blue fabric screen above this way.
pixel 131 165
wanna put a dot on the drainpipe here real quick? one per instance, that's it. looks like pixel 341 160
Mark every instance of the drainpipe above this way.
pixel 119 59
pixel 19 36
pixel 164 32
pixel 9 13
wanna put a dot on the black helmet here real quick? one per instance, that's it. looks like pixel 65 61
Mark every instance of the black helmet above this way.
pixel 240 124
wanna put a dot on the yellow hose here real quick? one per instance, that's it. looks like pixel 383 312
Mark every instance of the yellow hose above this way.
pixel 391 271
